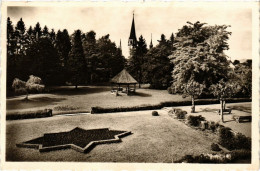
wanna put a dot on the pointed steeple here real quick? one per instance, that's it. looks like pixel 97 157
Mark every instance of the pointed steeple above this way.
pixel 120 46
pixel 132 38
pixel 151 44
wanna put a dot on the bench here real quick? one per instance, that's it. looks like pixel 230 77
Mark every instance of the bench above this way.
pixel 225 111
pixel 242 118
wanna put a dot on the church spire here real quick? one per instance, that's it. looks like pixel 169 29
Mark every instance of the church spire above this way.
pixel 151 44
pixel 120 46
pixel 132 38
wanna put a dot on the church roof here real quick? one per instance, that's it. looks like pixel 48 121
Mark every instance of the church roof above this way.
pixel 132 32
pixel 123 78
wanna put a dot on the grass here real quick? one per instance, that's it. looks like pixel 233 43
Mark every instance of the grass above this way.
pixel 154 139
pixel 67 99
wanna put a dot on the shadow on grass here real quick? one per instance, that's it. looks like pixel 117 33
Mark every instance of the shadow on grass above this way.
pixel 31 103
pixel 69 91
pixel 140 94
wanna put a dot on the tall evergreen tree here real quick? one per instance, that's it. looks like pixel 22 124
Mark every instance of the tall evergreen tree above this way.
pixel 45 31
pixel 136 60
pixel 20 27
pixel 30 31
pixel 42 59
pixel 172 38
pixel 76 62
pixel 157 65
pixel 37 30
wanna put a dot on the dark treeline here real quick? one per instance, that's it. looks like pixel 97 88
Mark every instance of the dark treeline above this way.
pixel 190 63
pixel 60 58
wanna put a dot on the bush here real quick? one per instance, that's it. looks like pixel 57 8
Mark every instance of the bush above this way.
pixel 215 147
pixel 213 126
pixel 226 138
pixel 230 141
pixel 178 113
pixel 155 113
pixel 30 114
pixel 195 120
pixel 242 142
pixel 241 154
pixel 163 104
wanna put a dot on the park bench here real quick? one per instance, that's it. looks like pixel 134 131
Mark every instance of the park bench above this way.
pixel 225 111
pixel 238 119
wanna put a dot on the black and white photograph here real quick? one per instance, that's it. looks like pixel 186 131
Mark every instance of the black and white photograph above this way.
pixel 129 83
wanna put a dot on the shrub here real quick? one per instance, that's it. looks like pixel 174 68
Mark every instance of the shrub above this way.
pixel 215 147
pixel 163 104
pixel 242 142
pixel 195 120
pixel 30 114
pixel 241 154
pixel 155 113
pixel 213 126
pixel 230 141
pixel 226 138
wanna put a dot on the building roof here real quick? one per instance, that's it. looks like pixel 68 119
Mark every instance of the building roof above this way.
pixel 123 78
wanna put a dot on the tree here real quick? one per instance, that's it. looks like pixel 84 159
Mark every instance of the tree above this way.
pixel 192 89
pixel 63 46
pixel 172 38
pixel 136 61
pixel 76 61
pixel 20 27
pixel 157 66
pixel 37 31
pixel 222 90
pixel 243 77
pixel 199 54
pixel 33 84
pixel 109 59
pixel 42 59
pixel 45 31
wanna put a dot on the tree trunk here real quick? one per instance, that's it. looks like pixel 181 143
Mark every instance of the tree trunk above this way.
pixel 193 104
pixel 222 110
pixel 26 97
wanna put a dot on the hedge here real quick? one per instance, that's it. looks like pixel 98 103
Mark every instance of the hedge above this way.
pixel 29 114
pixel 165 104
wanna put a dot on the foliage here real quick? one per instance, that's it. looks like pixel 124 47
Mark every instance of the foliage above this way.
pixel 178 113
pixel 76 61
pixel 215 147
pixel 108 60
pixel 34 84
pixel 157 65
pixel 243 77
pixel 136 61
pixel 224 89
pixel 30 114
pixel 42 59
pixel 233 141
pixel 195 120
pixel 199 55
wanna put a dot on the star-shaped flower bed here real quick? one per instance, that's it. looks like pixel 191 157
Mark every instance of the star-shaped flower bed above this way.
pixel 78 139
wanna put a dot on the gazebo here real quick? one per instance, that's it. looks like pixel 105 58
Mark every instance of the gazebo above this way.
pixel 124 79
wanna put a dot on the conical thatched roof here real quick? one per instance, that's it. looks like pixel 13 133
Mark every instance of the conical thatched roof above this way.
pixel 123 78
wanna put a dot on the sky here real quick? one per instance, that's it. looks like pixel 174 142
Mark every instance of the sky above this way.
pixel 116 21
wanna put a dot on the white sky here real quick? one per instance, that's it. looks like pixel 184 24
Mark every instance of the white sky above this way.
pixel 117 21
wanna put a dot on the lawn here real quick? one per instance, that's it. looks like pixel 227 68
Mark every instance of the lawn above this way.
pixel 153 139
pixel 70 100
